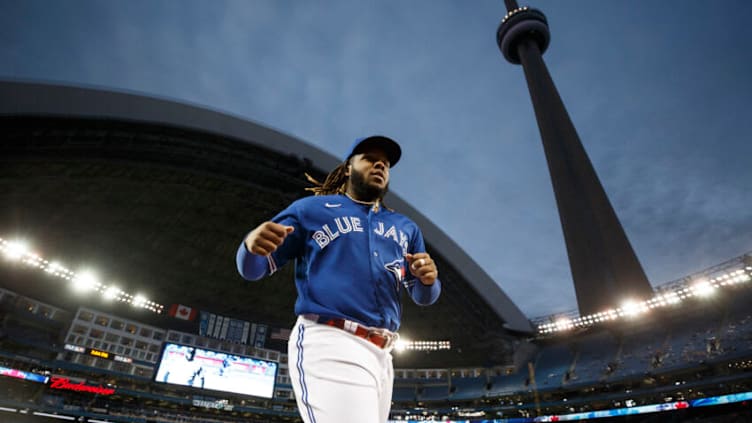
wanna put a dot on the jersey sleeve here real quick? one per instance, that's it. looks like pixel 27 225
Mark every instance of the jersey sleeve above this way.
pixel 294 243
pixel 422 294
pixel 253 267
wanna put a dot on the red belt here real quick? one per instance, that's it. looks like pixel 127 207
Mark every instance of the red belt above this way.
pixel 382 338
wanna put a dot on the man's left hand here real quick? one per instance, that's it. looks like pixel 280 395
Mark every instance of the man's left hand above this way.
pixel 422 267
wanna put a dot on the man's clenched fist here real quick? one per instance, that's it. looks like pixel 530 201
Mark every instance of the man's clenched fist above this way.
pixel 267 237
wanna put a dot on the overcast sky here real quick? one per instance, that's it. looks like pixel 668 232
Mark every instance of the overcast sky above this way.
pixel 659 91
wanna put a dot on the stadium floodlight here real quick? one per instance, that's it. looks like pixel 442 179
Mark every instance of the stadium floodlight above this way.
pixel 34 260
pixel 54 268
pixel 15 250
pixel 85 280
pixel 632 308
pixel 703 288
pixel 401 345
pixel 701 285
pixel 81 281
pixel 671 298
pixel 111 293
pixel 563 324
pixel 139 301
pixel 404 344
pixel 739 276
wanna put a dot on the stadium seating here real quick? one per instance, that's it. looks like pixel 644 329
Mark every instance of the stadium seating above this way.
pixel 552 365
pixel 433 393
pixel 404 393
pixel 465 388
pixel 707 349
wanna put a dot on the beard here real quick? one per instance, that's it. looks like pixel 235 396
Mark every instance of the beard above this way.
pixel 365 191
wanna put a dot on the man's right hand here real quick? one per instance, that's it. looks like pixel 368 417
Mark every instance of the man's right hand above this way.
pixel 267 237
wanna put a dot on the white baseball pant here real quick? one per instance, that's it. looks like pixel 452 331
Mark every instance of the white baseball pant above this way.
pixel 338 377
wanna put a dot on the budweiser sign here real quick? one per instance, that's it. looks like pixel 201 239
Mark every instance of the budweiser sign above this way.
pixel 65 383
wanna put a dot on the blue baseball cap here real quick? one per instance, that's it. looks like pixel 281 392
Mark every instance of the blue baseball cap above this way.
pixel 388 145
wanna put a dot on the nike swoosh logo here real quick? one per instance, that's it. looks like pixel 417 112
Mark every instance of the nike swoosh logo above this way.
pixel 332 205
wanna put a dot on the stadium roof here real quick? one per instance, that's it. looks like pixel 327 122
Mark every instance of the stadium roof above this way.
pixel 158 194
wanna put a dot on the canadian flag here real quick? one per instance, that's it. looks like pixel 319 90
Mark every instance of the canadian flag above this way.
pixel 180 311
pixel 281 334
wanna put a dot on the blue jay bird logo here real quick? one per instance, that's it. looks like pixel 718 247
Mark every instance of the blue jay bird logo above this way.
pixel 397 269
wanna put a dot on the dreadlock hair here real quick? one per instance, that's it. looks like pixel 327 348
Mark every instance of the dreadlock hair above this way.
pixel 335 182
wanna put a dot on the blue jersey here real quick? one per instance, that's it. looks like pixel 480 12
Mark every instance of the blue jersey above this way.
pixel 349 260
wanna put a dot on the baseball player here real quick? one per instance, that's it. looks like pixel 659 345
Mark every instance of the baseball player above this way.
pixel 353 258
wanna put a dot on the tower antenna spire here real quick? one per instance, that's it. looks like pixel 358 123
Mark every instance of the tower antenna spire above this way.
pixel 604 267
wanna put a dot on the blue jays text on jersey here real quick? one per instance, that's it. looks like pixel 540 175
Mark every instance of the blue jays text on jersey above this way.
pixel 349 260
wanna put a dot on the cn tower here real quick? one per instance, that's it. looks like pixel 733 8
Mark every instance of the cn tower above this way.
pixel 604 267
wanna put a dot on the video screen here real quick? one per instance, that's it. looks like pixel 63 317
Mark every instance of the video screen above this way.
pixel 214 370
pixel 20 374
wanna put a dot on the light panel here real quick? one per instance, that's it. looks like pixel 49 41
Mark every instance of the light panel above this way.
pixel 699 288
pixel 83 281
